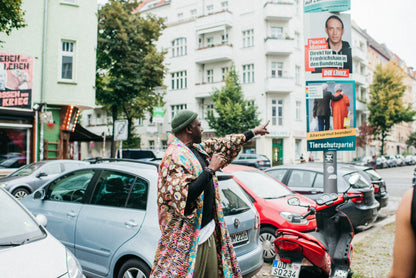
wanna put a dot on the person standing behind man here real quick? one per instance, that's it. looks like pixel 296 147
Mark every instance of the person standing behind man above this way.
pixel 334 28
pixel 195 241
pixel 321 108
pixel 339 108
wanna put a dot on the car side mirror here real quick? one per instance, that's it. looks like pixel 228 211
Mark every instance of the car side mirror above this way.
pixel 40 194
pixel 41 174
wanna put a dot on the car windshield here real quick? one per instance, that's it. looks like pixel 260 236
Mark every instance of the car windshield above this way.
pixel 16 226
pixel 28 169
pixel 361 183
pixel 262 184
pixel 373 174
pixel 233 199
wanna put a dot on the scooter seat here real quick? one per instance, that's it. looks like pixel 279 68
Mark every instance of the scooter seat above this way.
pixel 315 237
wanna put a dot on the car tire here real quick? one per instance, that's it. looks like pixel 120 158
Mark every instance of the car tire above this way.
pixel 20 193
pixel 133 268
pixel 267 237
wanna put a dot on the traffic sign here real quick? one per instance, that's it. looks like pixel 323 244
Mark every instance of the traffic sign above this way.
pixel 120 130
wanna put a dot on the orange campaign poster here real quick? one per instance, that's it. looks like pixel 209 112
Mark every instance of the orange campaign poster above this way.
pixel 16 78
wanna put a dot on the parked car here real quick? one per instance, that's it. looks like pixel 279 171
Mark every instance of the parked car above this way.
pixel 362 161
pixel 400 160
pixel 381 162
pixel 378 183
pixel 270 196
pixel 118 199
pixel 254 160
pixel 141 154
pixel 409 160
pixel 27 249
pixel 308 180
pixel 391 160
pixel 28 178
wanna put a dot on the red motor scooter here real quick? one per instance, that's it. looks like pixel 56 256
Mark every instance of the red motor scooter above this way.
pixel 327 252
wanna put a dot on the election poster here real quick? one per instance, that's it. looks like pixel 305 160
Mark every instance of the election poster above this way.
pixel 16 78
pixel 313 6
pixel 331 122
pixel 328 46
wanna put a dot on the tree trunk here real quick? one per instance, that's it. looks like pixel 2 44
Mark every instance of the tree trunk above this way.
pixel 113 143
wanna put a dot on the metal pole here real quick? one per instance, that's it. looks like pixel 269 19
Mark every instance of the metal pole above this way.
pixel 330 172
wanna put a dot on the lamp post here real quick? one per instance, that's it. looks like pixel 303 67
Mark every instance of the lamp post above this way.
pixel 159 120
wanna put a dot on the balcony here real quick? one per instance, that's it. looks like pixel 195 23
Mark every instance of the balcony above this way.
pixel 279 10
pixel 204 90
pixel 280 85
pixel 213 54
pixel 359 54
pixel 214 22
pixel 274 46
pixel 360 79
pixel 360 105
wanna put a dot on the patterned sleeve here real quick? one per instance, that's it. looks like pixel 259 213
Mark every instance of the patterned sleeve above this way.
pixel 174 179
pixel 230 145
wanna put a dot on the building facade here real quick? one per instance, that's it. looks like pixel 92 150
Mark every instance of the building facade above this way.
pixel 60 39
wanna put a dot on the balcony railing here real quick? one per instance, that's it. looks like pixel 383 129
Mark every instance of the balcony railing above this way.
pixel 204 90
pixel 275 46
pixel 279 10
pixel 359 54
pixel 280 85
pixel 214 53
pixel 214 22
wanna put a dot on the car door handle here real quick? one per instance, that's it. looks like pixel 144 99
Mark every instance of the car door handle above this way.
pixel 131 223
pixel 71 214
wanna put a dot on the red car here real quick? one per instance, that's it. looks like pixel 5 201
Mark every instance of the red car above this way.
pixel 270 196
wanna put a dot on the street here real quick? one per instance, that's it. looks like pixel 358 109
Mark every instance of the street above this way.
pixel 398 180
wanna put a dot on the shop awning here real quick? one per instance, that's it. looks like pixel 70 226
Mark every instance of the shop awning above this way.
pixel 81 134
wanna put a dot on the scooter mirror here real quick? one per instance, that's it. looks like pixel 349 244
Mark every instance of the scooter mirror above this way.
pixel 353 179
pixel 294 201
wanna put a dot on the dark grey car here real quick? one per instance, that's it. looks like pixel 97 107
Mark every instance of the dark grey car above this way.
pixel 28 178
pixel 308 179
pixel 258 161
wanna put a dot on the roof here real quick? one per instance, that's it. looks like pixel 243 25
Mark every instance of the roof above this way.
pixel 81 134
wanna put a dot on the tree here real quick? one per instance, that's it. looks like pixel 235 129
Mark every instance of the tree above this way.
pixel 411 141
pixel 235 114
pixel 364 137
pixel 386 106
pixel 129 66
pixel 11 16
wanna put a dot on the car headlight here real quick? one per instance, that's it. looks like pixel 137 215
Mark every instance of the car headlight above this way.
pixel 74 267
pixel 293 218
pixel 3 184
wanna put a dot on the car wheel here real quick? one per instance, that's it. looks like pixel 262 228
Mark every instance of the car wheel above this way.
pixel 20 193
pixel 134 268
pixel 267 237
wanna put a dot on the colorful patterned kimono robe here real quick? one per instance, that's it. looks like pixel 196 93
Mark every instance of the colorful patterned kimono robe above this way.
pixel 177 248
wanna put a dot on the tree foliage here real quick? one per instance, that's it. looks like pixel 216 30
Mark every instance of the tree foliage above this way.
pixel 129 66
pixel 235 114
pixel 364 137
pixel 11 16
pixel 411 141
pixel 386 106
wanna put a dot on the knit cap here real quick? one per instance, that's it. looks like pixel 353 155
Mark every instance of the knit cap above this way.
pixel 182 119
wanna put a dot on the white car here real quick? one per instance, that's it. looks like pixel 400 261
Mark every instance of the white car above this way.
pixel 27 249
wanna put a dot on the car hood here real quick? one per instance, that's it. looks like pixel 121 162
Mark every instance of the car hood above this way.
pixel 282 204
pixel 42 258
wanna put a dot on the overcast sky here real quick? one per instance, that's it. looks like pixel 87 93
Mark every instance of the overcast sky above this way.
pixel 389 22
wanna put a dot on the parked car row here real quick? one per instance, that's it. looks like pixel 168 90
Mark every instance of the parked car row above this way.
pixel 81 199
pixel 386 161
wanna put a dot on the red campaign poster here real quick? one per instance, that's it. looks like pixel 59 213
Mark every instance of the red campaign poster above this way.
pixel 16 80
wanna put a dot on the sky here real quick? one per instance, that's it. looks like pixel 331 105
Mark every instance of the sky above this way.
pixel 390 22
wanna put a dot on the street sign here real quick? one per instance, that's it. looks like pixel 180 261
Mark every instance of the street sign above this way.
pixel 158 114
pixel 120 130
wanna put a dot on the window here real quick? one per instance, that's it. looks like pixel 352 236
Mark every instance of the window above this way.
pixel 278 174
pixel 193 12
pixel 176 108
pixel 224 72
pixel 112 189
pixel 152 144
pixel 276 32
pixel 277 112
pixel 180 16
pixel 179 47
pixel 210 9
pixel 297 38
pixel 277 69
pixel 298 110
pixel 297 75
pixel 224 38
pixel 248 38
pixel 67 60
pixel 209 110
pixel 179 80
pixel 300 178
pixel 210 41
pixel 210 76
pixel 138 195
pixel 70 187
pixel 224 5
pixel 248 73
pixel 52 169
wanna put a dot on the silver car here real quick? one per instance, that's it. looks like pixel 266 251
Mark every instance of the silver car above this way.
pixel 107 215
pixel 27 249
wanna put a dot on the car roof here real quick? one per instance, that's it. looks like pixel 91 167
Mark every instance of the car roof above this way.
pixel 317 166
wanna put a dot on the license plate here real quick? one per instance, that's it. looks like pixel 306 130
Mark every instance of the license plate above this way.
pixel 285 270
pixel 240 237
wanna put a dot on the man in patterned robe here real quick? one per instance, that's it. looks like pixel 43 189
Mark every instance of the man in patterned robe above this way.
pixel 195 241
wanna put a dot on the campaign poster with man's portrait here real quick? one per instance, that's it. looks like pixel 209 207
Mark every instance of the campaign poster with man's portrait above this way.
pixel 16 78
pixel 328 50
pixel 330 114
